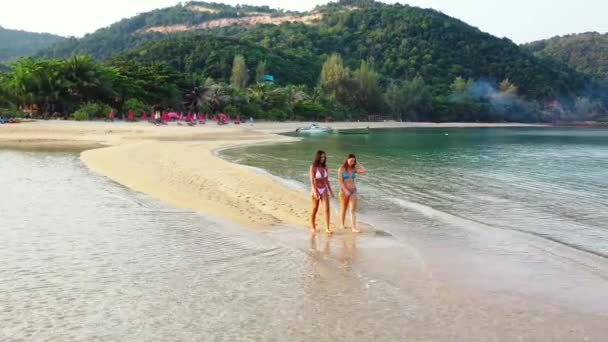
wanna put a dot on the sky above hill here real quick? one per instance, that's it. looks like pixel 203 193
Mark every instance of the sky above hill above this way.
pixel 519 20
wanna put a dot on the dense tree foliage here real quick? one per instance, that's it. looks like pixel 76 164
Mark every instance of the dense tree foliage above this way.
pixel 409 100
pixel 586 52
pixel 83 88
pixel 16 43
pixel 361 57
pixel 404 42
pixel 367 89
pixel 213 57
pixel 239 76
pixel 260 71
pixel 62 85
pixel 334 78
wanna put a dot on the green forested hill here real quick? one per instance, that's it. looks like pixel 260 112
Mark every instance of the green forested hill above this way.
pixel 402 42
pixel 585 52
pixel 211 56
pixel 16 43
pixel 129 33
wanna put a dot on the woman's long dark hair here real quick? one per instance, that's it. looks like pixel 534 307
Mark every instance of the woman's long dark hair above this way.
pixel 317 161
pixel 345 165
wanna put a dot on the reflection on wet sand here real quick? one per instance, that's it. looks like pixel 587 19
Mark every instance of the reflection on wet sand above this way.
pixel 342 247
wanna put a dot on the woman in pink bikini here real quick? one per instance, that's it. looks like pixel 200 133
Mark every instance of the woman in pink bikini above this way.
pixel 321 189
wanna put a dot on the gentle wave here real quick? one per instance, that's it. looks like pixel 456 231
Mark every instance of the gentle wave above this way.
pixel 461 222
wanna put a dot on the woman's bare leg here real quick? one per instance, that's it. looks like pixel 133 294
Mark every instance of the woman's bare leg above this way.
pixel 343 208
pixel 313 214
pixel 353 213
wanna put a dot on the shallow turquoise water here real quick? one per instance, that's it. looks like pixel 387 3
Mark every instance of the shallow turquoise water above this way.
pixel 549 182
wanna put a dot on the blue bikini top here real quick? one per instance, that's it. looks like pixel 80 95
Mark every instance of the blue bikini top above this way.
pixel 346 175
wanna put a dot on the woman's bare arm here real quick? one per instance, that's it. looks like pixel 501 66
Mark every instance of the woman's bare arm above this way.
pixel 313 186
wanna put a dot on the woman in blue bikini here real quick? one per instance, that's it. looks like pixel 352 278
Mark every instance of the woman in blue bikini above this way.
pixel 348 190
pixel 321 189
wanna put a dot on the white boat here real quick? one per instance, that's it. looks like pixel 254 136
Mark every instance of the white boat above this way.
pixel 313 129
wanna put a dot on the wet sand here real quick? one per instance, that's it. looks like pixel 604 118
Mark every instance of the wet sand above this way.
pixel 356 287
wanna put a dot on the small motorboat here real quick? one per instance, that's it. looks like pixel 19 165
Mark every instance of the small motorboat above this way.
pixel 354 131
pixel 314 129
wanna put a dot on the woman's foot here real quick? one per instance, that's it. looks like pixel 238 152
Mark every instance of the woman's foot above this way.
pixel 355 230
pixel 328 231
pixel 313 230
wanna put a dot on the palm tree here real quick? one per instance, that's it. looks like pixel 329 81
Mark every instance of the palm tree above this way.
pixel 316 95
pixel 84 77
pixel 295 95
pixel 258 92
pixel 191 99
pixel 266 95
pixel 213 96
pixel 37 83
pixel 51 85
pixel 23 83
